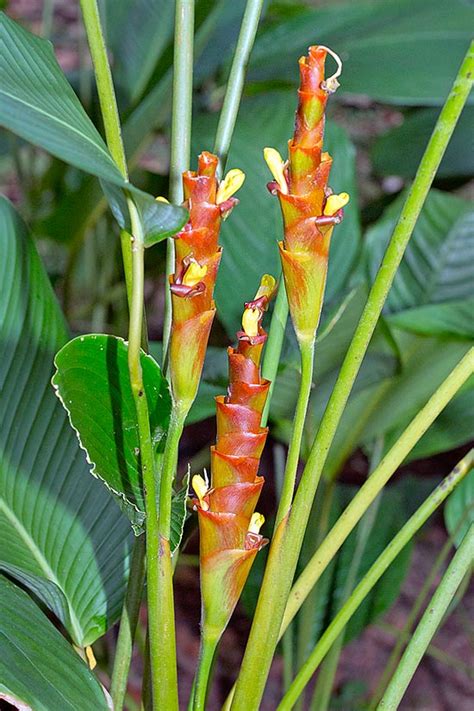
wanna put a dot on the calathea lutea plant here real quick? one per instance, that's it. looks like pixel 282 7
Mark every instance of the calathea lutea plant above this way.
pixel 129 413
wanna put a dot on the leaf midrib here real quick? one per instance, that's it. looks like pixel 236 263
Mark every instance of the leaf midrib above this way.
pixel 42 562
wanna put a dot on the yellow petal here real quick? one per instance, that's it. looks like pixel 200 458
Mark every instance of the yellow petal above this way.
pixel 277 165
pixel 250 321
pixel 335 202
pixel 256 522
pixel 160 198
pixel 90 658
pixel 194 273
pixel 231 183
pixel 200 487
pixel 267 286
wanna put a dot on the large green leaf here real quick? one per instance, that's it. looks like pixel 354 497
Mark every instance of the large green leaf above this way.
pixel 438 265
pixel 38 104
pixel 60 532
pixel 450 319
pixel 93 383
pixel 250 235
pixel 413 136
pixel 38 669
pixel 398 51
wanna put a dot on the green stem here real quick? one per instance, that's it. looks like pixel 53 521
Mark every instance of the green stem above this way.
pixel 282 565
pixel 162 648
pixel 276 335
pixel 374 574
pixel 181 118
pixel 133 267
pixel 235 84
pixel 405 633
pixel 289 478
pixel 128 624
pixel 429 623
pixel 206 656
pixel 375 483
pixel 325 682
pixel 105 86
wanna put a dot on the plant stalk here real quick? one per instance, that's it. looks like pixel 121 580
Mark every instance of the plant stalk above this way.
pixel 181 118
pixel 128 624
pixel 276 335
pixel 206 656
pixel 291 468
pixel 235 84
pixel 281 565
pixel 111 120
pixel 375 483
pixel 374 574
pixel 429 623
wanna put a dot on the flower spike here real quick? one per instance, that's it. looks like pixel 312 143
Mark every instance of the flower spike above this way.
pixel 197 258
pixel 228 524
pixel 309 208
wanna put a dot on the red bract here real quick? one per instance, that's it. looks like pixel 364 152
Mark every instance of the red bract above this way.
pixel 309 208
pixel 196 264
pixel 228 524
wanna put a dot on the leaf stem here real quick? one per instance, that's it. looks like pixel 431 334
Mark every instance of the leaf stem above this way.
pixel 181 118
pixel 374 574
pixel 375 483
pixel 276 334
pixel 282 566
pixel 105 86
pixel 128 624
pixel 235 84
pixel 429 623
pixel 291 468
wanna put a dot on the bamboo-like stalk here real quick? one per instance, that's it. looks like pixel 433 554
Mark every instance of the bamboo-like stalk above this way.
pixel 111 120
pixel 429 623
pixel 286 546
pixel 405 534
pixel 235 84
pixel 181 119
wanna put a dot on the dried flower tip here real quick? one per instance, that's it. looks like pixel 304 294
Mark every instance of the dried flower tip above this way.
pixel 335 202
pixel 331 83
pixel 232 182
pixel 256 523
pixel 160 198
pixel 251 320
pixel 277 167
pixel 267 287
pixel 194 273
pixel 201 489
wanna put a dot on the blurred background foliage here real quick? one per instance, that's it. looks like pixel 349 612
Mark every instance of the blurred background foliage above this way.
pixel 399 60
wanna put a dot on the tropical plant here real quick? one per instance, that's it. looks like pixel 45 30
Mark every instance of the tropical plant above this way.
pixel 369 343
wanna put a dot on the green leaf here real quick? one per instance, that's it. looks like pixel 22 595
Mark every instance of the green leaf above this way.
pixel 459 509
pixel 60 532
pixel 93 383
pixel 159 219
pixel 453 319
pixel 399 51
pixel 438 265
pixel 38 668
pixel 250 235
pixel 38 103
pixel 413 134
